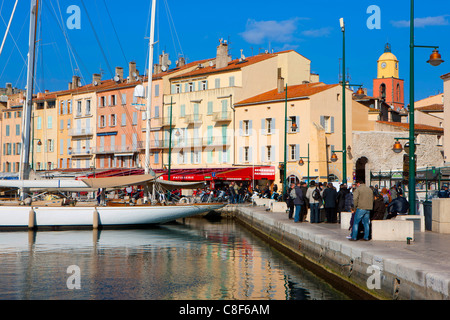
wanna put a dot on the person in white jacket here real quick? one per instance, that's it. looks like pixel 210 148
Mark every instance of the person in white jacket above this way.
pixel 314 202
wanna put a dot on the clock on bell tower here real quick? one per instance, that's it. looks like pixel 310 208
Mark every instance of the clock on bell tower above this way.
pixel 388 86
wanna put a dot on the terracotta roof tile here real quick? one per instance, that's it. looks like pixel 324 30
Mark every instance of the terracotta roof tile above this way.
pixel 417 127
pixel 297 91
pixel 233 65
pixel 432 107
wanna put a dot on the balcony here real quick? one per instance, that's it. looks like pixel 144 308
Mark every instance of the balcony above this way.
pixel 74 132
pixel 221 116
pixel 165 122
pixel 118 149
pixel 193 119
pixel 81 152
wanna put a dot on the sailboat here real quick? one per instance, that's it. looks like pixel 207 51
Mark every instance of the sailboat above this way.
pixel 88 216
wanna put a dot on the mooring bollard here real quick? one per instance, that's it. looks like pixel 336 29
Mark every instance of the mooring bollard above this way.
pixel 95 219
pixel 31 219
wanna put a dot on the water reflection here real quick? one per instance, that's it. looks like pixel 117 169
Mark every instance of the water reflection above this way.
pixel 198 260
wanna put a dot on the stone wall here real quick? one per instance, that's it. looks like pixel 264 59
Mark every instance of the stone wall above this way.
pixel 376 146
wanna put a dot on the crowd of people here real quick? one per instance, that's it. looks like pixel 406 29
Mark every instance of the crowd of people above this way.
pixel 365 203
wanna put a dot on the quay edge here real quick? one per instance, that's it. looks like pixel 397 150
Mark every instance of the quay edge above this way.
pixel 341 263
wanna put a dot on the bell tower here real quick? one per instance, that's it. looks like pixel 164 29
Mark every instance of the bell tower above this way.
pixel 388 86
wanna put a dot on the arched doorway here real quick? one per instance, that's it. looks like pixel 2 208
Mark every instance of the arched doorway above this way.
pixel 292 179
pixel 360 170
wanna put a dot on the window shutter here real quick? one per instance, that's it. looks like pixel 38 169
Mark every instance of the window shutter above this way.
pixel 297 121
pixel 322 121
pixel 250 154
pixel 332 124
pixel 241 132
pixel 297 152
pixel 241 151
pixel 263 153
pixel 250 124
pixel 273 125
pixel 263 126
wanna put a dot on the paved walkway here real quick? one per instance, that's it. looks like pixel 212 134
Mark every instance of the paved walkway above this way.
pixel 425 261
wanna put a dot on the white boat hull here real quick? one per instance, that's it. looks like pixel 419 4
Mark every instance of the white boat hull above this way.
pixel 19 216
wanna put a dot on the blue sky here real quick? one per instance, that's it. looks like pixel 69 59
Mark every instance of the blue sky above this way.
pixel 193 29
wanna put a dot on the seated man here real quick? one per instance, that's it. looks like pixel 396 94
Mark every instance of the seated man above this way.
pixel 398 206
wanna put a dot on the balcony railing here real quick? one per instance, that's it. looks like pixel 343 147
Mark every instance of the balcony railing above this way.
pixel 81 132
pixel 81 151
pixel 193 118
pixel 118 149
pixel 187 143
pixel 222 116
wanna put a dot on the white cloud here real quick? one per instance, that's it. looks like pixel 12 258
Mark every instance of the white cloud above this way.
pixel 322 32
pixel 423 22
pixel 257 32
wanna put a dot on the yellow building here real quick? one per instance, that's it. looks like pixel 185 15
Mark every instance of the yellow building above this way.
pixel 45 134
pixel 314 118
pixel 204 120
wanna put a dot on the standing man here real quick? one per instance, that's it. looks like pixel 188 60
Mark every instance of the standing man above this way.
pixel 290 202
pixel 330 199
pixel 363 202
pixel 298 202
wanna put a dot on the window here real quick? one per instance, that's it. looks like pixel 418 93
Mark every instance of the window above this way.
pixel 50 145
pixel 246 154
pixel 246 127
pixel 269 128
pixel 102 122
pixel 124 119
pixel 156 90
pixel 7 130
pixel 102 101
pixel 135 116
pixel 88 107
pixel 204 85
pixel 39 123
pixel 78 108
pixel 293 124
pixel 17 129
pixel 294 152
pixel 210 108
pixel 231 81
pixel 113 120
pixel 113 100
pixel 49 122
pixel 327 123
pixel 217 83
pixel 269 153
pixel 178 88
pixel 190 87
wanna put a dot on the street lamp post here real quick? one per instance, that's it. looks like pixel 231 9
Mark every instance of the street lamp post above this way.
pixel 294 126
pixel 344 120
pixel 435 60
pixel 301 163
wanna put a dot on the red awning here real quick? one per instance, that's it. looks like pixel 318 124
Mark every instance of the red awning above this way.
pixel 222 174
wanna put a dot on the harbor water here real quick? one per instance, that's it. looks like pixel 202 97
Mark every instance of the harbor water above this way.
pixel 194 260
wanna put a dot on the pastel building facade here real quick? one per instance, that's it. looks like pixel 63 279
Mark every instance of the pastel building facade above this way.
pixel 11 124
pixel 311 115
pixel 203 116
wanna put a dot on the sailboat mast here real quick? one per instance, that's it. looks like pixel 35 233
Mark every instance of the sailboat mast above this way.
pixel 28 106
pixel 149 91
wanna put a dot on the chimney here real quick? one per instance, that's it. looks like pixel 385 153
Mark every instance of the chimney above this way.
pixel 75 82
pixel 222 57
pixel 280 82
pixel 119 73
pixel 70 86
pixel 180 62
pixel 96 79
pixel 157 68
pixel 132 72
pixel 9 89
